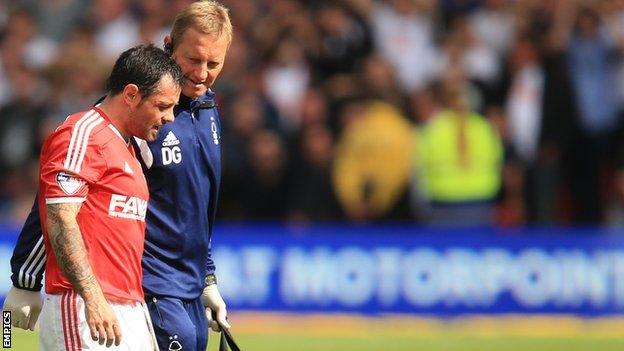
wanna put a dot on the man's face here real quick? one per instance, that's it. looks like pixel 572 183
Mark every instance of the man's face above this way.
pixel 201 57
pixel 154 111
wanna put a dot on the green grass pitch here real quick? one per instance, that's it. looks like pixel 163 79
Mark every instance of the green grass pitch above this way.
pixel 279 332
pixel 23 341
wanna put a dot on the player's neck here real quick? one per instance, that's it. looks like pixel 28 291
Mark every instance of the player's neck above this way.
pixel 117 115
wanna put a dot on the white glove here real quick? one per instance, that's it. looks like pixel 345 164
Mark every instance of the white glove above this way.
pixel 214 302
pixel 25 307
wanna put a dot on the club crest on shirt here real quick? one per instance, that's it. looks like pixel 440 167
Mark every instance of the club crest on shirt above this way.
pixel 174 345
pixel 70 184
pixel 213 129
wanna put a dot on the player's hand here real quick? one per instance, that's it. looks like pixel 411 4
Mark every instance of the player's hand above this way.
pixel 102 322
pixel 25 307
pixel 214 303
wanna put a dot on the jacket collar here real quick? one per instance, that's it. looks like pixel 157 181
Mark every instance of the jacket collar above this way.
pixel 205 101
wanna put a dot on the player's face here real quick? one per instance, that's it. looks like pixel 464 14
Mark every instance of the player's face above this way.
pixel 201 57
pixel 154 111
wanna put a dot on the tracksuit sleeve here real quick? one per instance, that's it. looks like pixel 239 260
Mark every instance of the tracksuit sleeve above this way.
pixel 210 266
pixel 28 260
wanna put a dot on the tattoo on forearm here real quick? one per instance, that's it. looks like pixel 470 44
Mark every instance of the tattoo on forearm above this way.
pixel 69 248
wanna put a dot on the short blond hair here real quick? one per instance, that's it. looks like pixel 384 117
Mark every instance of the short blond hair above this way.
pixel 209 17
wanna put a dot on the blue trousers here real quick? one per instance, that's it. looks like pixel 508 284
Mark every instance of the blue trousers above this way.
pixel 178 324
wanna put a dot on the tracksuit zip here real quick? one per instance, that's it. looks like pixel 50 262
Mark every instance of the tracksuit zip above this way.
pixel 155 301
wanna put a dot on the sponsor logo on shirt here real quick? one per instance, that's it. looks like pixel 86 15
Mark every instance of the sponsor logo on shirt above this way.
pixel 129 207
pixel 170 152
pixel 70 184
pixel 170 139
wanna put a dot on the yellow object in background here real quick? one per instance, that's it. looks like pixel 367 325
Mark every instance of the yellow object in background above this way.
pixel 459 158
pixel 372 161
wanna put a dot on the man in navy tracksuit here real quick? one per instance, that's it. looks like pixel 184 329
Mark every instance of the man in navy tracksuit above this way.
pixel 183 169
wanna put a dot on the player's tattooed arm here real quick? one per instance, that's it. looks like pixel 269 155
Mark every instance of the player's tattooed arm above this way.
pixel 69 248
pixel 71 256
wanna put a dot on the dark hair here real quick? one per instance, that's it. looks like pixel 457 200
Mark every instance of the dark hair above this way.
pixel 143 65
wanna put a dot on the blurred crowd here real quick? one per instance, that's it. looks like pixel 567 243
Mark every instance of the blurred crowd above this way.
pixel 451 112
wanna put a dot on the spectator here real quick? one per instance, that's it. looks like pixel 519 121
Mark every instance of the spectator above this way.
pixel 265 192
pixel 493 25
pixel 372 161
pixel 524 111
pixel 459 161
pixel 286 79
pixel 313 198
pixel 345 38
pixel 404 35
pixel 117 29
pixel 592 65
pixel 38 51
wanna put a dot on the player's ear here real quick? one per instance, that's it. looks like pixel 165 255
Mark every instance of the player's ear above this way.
pixel 131 95
pixel 168 46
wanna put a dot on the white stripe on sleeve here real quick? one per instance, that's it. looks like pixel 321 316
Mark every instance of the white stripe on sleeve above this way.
pixel 85 142
pixel 75 131
pixel 33 253
pixel 64 200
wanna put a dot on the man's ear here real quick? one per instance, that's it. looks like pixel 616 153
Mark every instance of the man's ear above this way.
pixel 131 95
pixel 168 45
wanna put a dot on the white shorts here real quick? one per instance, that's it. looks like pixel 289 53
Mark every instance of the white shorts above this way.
pixel 64 327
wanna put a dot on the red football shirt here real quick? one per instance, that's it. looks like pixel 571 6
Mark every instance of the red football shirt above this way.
pixel 87 160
